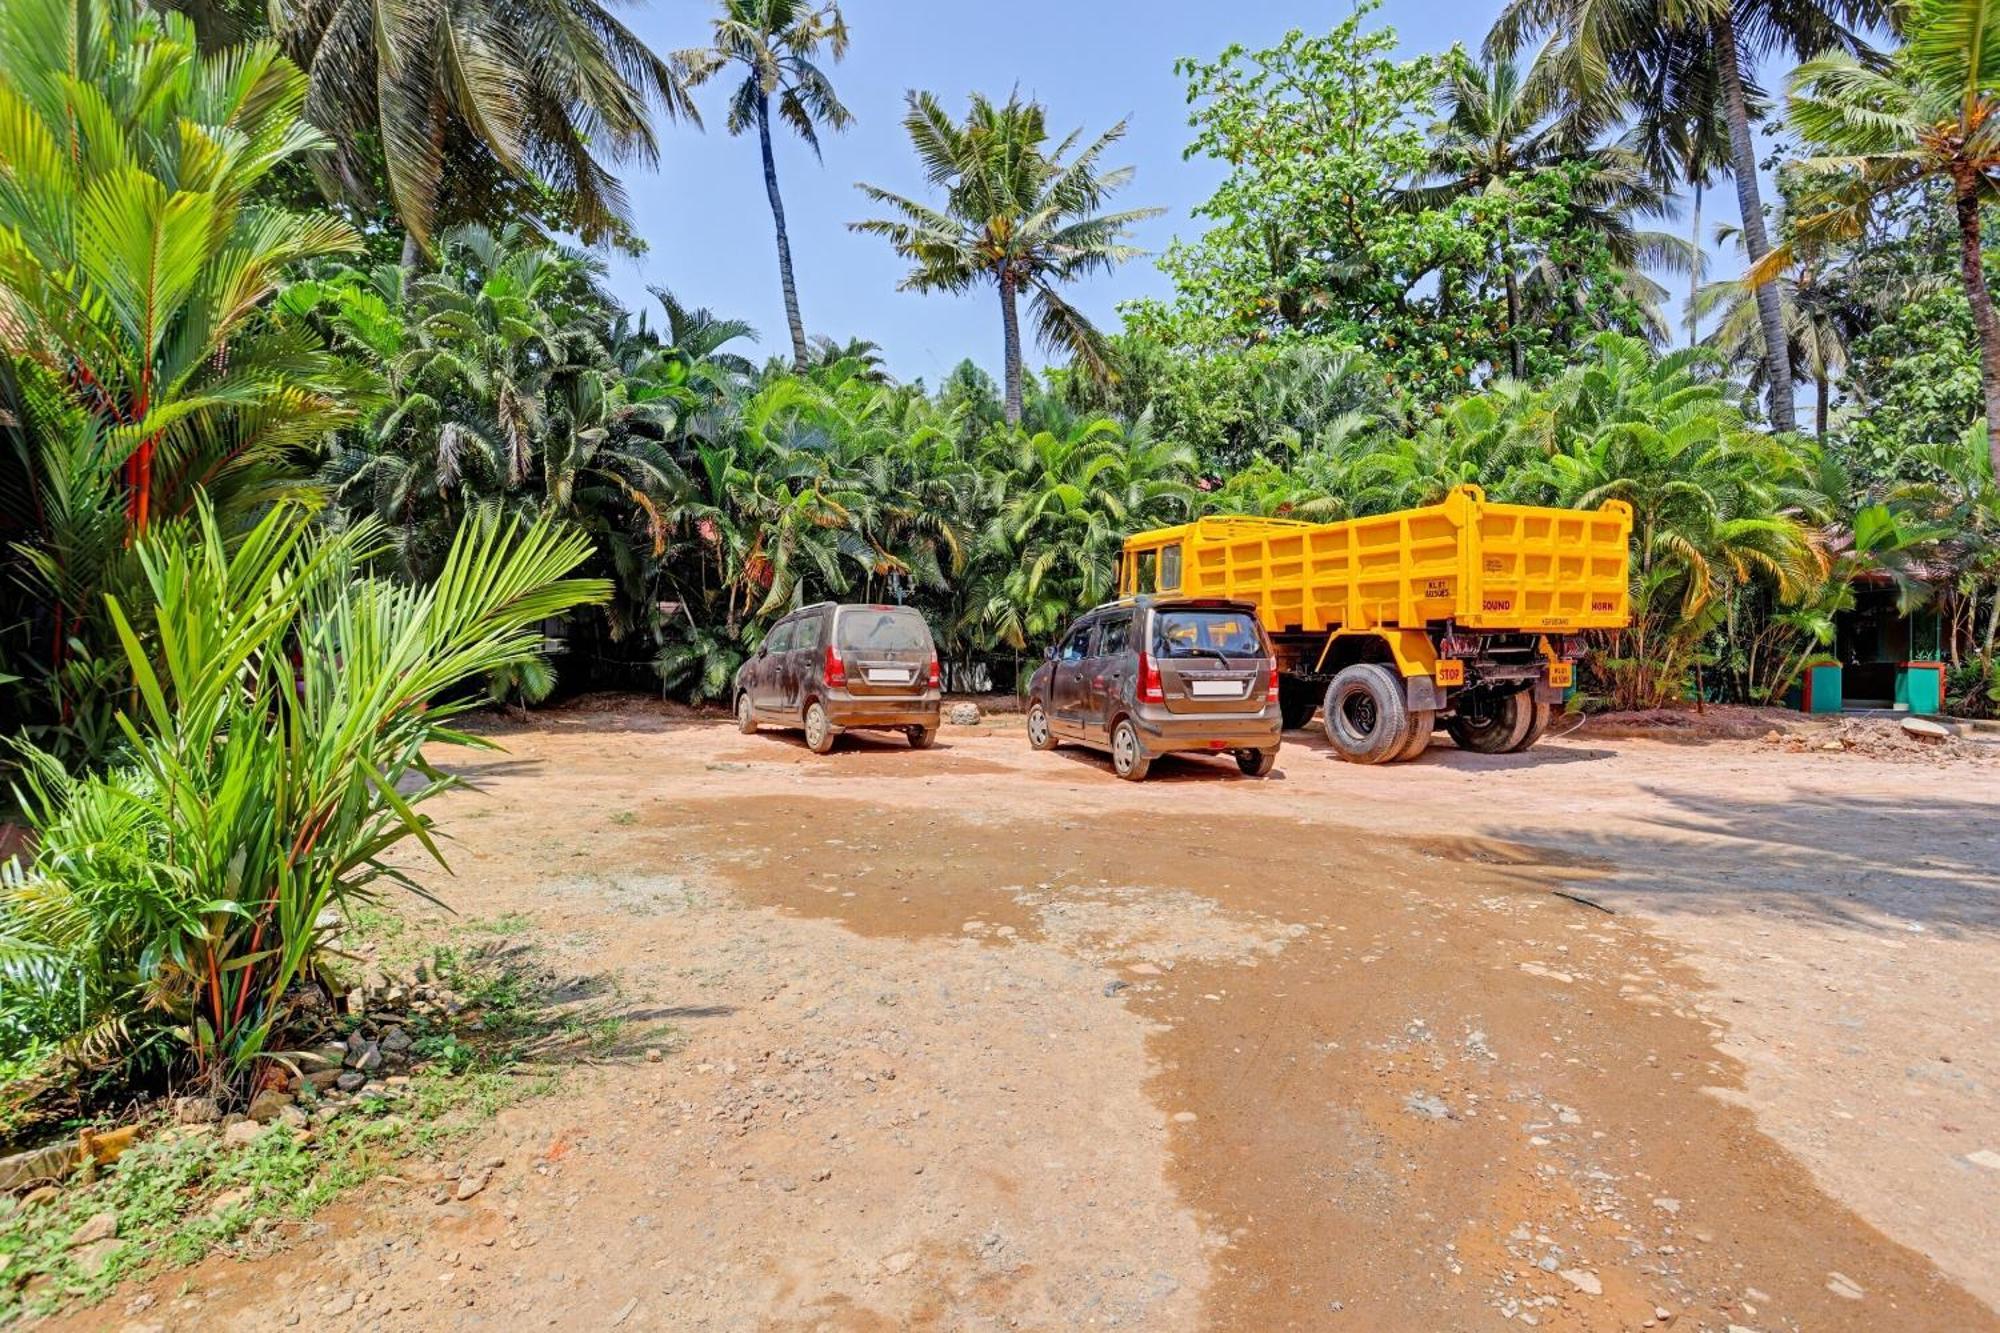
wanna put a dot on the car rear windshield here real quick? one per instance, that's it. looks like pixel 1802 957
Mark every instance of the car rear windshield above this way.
pixel 867 629
pixel 1190 633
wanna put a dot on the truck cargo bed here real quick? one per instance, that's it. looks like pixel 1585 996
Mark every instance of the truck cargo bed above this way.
pixel 1468 562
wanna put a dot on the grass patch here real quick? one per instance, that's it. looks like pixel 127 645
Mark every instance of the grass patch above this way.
pixel 181 1194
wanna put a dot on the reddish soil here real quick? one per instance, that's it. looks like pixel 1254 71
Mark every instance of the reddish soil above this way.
pixel 982 1038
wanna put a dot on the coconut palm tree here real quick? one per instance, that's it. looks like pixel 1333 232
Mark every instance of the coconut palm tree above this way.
pixel 777 44
pixel 1932 113
pixel 517 104
pixel 1017 214
pixel 1610 54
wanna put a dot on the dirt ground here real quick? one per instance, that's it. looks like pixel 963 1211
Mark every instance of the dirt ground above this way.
pixel 1654 1030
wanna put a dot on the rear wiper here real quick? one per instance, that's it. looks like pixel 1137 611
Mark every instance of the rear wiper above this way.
pixel 1216 653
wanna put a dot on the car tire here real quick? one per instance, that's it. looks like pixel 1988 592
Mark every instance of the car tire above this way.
pixel 1538 722
pixel 1256 763
pixel 921 738
pixel 746 715
pixel 1422 722
pixel 819 728
pixel 1497 728
pixel 1128 757
pixel 1041 735
pixel 1367 720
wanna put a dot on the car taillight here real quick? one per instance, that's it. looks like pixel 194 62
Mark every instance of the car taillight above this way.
pixel 934 673
pixel 1271 692
pixel 835 670
pixel 1150 689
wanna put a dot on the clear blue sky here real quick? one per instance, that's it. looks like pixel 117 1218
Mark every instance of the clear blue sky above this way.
pixel 1092 62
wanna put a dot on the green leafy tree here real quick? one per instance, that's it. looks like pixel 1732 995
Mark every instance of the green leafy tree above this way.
pixel 1501 125
pixel 1017 214
pixel 776 44
pixel 1316 233
pixel 1933 112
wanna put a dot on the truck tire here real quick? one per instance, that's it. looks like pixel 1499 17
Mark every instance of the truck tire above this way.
pixel 1495 728
pixel 1538 721
pixel 1422 722
pixel 1367 720
pixel 1297 702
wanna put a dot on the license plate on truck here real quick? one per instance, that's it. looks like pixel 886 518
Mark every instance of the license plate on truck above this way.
pixel 1216 689
pixel 1562 675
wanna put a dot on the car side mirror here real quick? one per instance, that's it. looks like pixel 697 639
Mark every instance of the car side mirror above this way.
pixel 1049 653
pixel 763 649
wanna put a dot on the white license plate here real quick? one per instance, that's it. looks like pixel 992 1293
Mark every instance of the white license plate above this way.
pixel 878 676
pixel 1216 689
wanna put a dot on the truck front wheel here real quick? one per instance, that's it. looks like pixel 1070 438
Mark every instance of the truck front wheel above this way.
pixel 1493 723
pixel 1367 720
pixel 1296 701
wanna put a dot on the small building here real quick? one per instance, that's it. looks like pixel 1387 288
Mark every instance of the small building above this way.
pixel 1886 658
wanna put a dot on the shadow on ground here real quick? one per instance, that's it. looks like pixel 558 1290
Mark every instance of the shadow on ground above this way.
pixel 1922 860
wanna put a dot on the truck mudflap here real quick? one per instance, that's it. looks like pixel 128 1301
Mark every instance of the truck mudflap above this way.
pixel 1422 692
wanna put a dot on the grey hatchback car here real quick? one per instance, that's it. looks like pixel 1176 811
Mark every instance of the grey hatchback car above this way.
pixel 1160 675
pixel 829 668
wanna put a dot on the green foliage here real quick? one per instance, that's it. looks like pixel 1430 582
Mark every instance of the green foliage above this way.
pixel 463 112
pixel 138 364
pixel 1930 114
pixel 275 754
pixel 1316 234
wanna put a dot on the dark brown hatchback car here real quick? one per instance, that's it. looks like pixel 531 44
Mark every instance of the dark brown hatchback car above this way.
pixel 1161 675
pixel 830 668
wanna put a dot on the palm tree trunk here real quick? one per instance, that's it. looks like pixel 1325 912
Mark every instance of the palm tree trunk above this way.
pixel 1821 388
pixel 792 318
pixel 1694 264
pixel 1973 272
pixel 410 252
pixel 1756 244
pixel 1010 321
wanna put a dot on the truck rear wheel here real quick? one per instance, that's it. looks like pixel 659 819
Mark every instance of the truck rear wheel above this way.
pixel 1422 722
pixel 1367 720
pixel 1538 722
pixel 1493 724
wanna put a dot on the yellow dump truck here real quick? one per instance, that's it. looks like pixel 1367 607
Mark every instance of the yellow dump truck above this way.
pixel 1466 614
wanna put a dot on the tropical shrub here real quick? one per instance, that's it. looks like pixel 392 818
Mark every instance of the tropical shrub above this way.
pixel 138 364
pixel 171 916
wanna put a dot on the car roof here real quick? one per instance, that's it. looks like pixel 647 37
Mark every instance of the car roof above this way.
pixel 1159 601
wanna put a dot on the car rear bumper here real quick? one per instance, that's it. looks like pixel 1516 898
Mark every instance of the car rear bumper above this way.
pixel 1168 733
pixel 851 712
